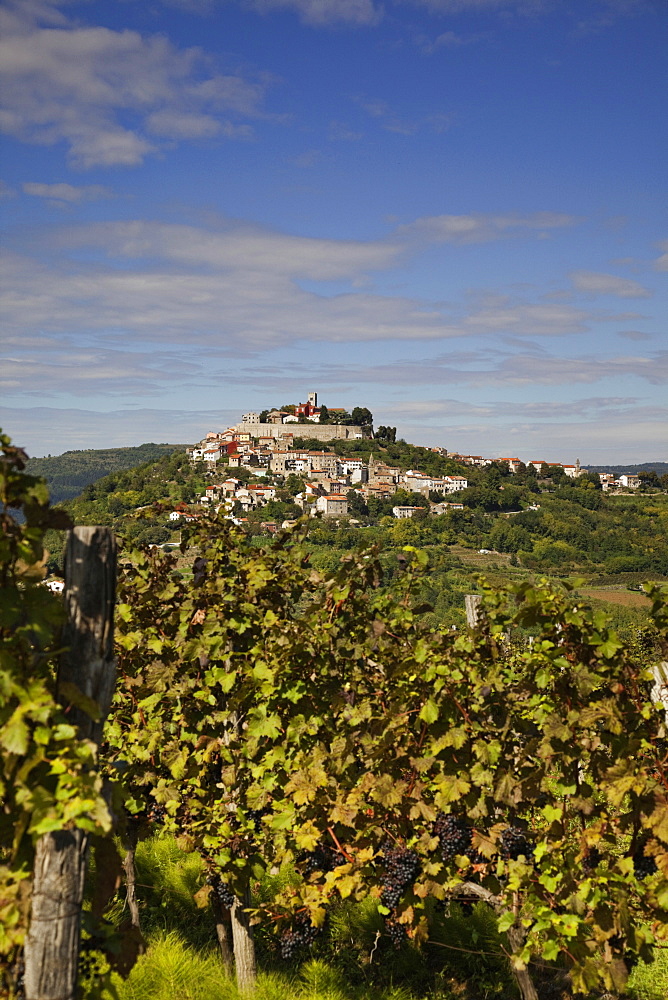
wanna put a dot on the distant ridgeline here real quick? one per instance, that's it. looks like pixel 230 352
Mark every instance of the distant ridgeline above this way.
pixel 68 474
pixel 661 468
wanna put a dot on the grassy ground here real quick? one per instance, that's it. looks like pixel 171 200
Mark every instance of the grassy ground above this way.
pixel 174 970
pixel 610 595
pixel 463 960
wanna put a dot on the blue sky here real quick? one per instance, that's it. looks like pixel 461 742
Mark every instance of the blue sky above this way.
pixel 450 211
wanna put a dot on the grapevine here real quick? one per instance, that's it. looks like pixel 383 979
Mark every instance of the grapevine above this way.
pixel 300 935
pixel 402 867
pixel 514 844
pixel 454 835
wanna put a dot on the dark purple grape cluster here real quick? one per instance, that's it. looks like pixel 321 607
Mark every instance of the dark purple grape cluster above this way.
pixel 643 865
pixel 397 933
pixel 323 859
pixel 402 867
pixel 302 934
pixel 222 890
pixel 255 815
pixel 591 860
pixel 454 835
pixel 514 842
pixel 156 813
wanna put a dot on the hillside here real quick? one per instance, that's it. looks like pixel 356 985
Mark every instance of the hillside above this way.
pixel 68 474
pixel 395 453
pixel 510 527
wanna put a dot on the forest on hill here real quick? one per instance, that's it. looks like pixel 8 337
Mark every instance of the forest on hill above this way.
pixel 68 474
pixel 660 468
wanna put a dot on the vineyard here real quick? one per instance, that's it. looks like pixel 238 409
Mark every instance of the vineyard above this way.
pixel 288 777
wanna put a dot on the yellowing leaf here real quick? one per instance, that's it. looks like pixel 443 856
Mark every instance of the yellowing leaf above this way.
pixel 429 712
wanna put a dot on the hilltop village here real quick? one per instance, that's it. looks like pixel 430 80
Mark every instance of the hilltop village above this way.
pixel 267 446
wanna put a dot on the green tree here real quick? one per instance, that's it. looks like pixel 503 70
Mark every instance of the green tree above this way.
pixel 589 477
pixel 649 479
pixel 361 416
pixel 293 485
pixel 356 504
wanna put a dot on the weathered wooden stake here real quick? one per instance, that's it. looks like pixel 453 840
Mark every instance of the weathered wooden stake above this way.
pixel 87 667
pixel 244 945
pixel 472 603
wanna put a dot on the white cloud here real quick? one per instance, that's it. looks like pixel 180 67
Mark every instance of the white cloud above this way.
pixel 245 288
pixel 322 12
pixel 445 40
pixel 392 121
pixel 66 192
pixel 309 158
pixel 661 263
pixel 487 367
pixel 619 407
pixel 146 309
pixel 602 13
pixel 244 248
pixel 596 283
pixel 531 370
pixel 56 368
pixel 318 13
pixel 340 132
pixel 481 6
pixel 528 319
pixel 182 125
pixel 634 335
pixel 72 84
pixel 240 289
pixel 478 228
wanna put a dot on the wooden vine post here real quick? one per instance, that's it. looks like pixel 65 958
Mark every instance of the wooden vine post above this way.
pixel 473 605
pixel 244 945
pixel 86 675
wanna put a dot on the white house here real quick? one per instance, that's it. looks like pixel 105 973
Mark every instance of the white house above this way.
pixel 405 512
pixel 347 466
pixel 453 484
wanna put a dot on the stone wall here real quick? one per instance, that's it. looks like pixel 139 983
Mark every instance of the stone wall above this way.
pixel 317 432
